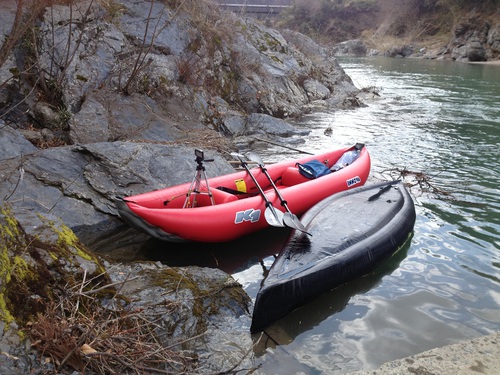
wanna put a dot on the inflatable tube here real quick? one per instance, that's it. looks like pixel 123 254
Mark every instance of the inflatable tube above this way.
pixel 352 233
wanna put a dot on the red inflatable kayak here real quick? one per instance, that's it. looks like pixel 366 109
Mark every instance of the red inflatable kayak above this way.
pixel 227 207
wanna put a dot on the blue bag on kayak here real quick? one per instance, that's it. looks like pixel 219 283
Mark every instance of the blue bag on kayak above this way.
pixel 313 169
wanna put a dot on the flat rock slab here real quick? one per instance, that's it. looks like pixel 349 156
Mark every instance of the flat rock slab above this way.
pixel 477 356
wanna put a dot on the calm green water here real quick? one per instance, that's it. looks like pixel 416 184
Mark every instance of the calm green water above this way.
pixel 442 119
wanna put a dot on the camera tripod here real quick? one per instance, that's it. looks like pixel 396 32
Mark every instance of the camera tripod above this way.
pixel 199 175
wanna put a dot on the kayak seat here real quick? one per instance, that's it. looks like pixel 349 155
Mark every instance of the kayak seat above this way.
pixel 203 199
pixel 223 196
pixel 291 176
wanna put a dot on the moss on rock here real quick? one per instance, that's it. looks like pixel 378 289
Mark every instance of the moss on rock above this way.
pixel 33 272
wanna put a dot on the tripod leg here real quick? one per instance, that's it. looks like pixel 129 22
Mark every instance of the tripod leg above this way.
pixel 209 192
pixel 197 185
pixel 193 188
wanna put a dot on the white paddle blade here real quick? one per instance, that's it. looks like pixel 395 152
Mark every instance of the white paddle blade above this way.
pixel 274 217
pixel 293 221
pixel 255 157
pixel 238 156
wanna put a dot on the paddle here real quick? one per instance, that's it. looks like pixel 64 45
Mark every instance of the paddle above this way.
pixel 284 146
pixel 273 216
pixel 289 218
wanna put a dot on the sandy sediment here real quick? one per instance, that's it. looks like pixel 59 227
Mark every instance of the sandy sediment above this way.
pixel 490 62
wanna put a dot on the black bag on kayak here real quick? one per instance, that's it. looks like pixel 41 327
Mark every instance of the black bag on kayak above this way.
pixel 313 169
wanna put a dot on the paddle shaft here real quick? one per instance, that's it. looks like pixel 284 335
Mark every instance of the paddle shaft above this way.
pixel 283 201
pixel 289 218
pixel 256 158
pixel 269 205
pixel 284 146
pixel 244 165
pixel 382 191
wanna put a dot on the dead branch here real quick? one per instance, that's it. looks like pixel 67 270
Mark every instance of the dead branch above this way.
pixel 419 180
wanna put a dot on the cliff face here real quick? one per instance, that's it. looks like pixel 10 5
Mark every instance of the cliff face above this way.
pixel 92 68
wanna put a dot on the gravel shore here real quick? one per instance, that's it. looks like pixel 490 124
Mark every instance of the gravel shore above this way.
pixel 477 356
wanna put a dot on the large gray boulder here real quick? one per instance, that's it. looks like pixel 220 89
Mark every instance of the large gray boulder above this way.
pixel 210 307
pixel 13 143
pixel 79 183
pixel 494 41
pixel 473 39
pixel 354 47
pixel 191 312
pixel 475 51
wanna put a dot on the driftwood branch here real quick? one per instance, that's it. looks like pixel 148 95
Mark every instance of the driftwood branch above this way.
pixel 419 180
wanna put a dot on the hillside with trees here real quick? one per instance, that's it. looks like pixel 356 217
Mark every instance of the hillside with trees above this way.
pixel 385 24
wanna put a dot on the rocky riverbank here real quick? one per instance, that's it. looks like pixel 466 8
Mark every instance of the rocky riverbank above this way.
pixel 65 309
pixel 474 36
pixel 137 87
pixel 106 99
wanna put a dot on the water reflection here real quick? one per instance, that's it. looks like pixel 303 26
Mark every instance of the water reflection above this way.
pixel 407 324
pixel 311 315
pixel 231 257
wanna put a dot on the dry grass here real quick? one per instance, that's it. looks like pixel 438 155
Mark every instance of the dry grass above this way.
pixel 190 70
pixel 205 138
pixel 94 329
pixel 212 29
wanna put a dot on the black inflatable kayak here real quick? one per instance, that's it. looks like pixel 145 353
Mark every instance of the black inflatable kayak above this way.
pixel 352 233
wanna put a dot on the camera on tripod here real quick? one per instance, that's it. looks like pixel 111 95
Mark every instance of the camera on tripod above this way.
pixel 196 184
pixel 200 156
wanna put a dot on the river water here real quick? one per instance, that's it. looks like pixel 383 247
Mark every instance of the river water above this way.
pixel 442 120
pixel 437 124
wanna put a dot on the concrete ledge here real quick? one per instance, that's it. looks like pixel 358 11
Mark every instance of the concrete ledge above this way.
pixel 477 356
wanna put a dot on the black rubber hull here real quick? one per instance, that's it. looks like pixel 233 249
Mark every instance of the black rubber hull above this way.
pixel 352 233
pixel 135 221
